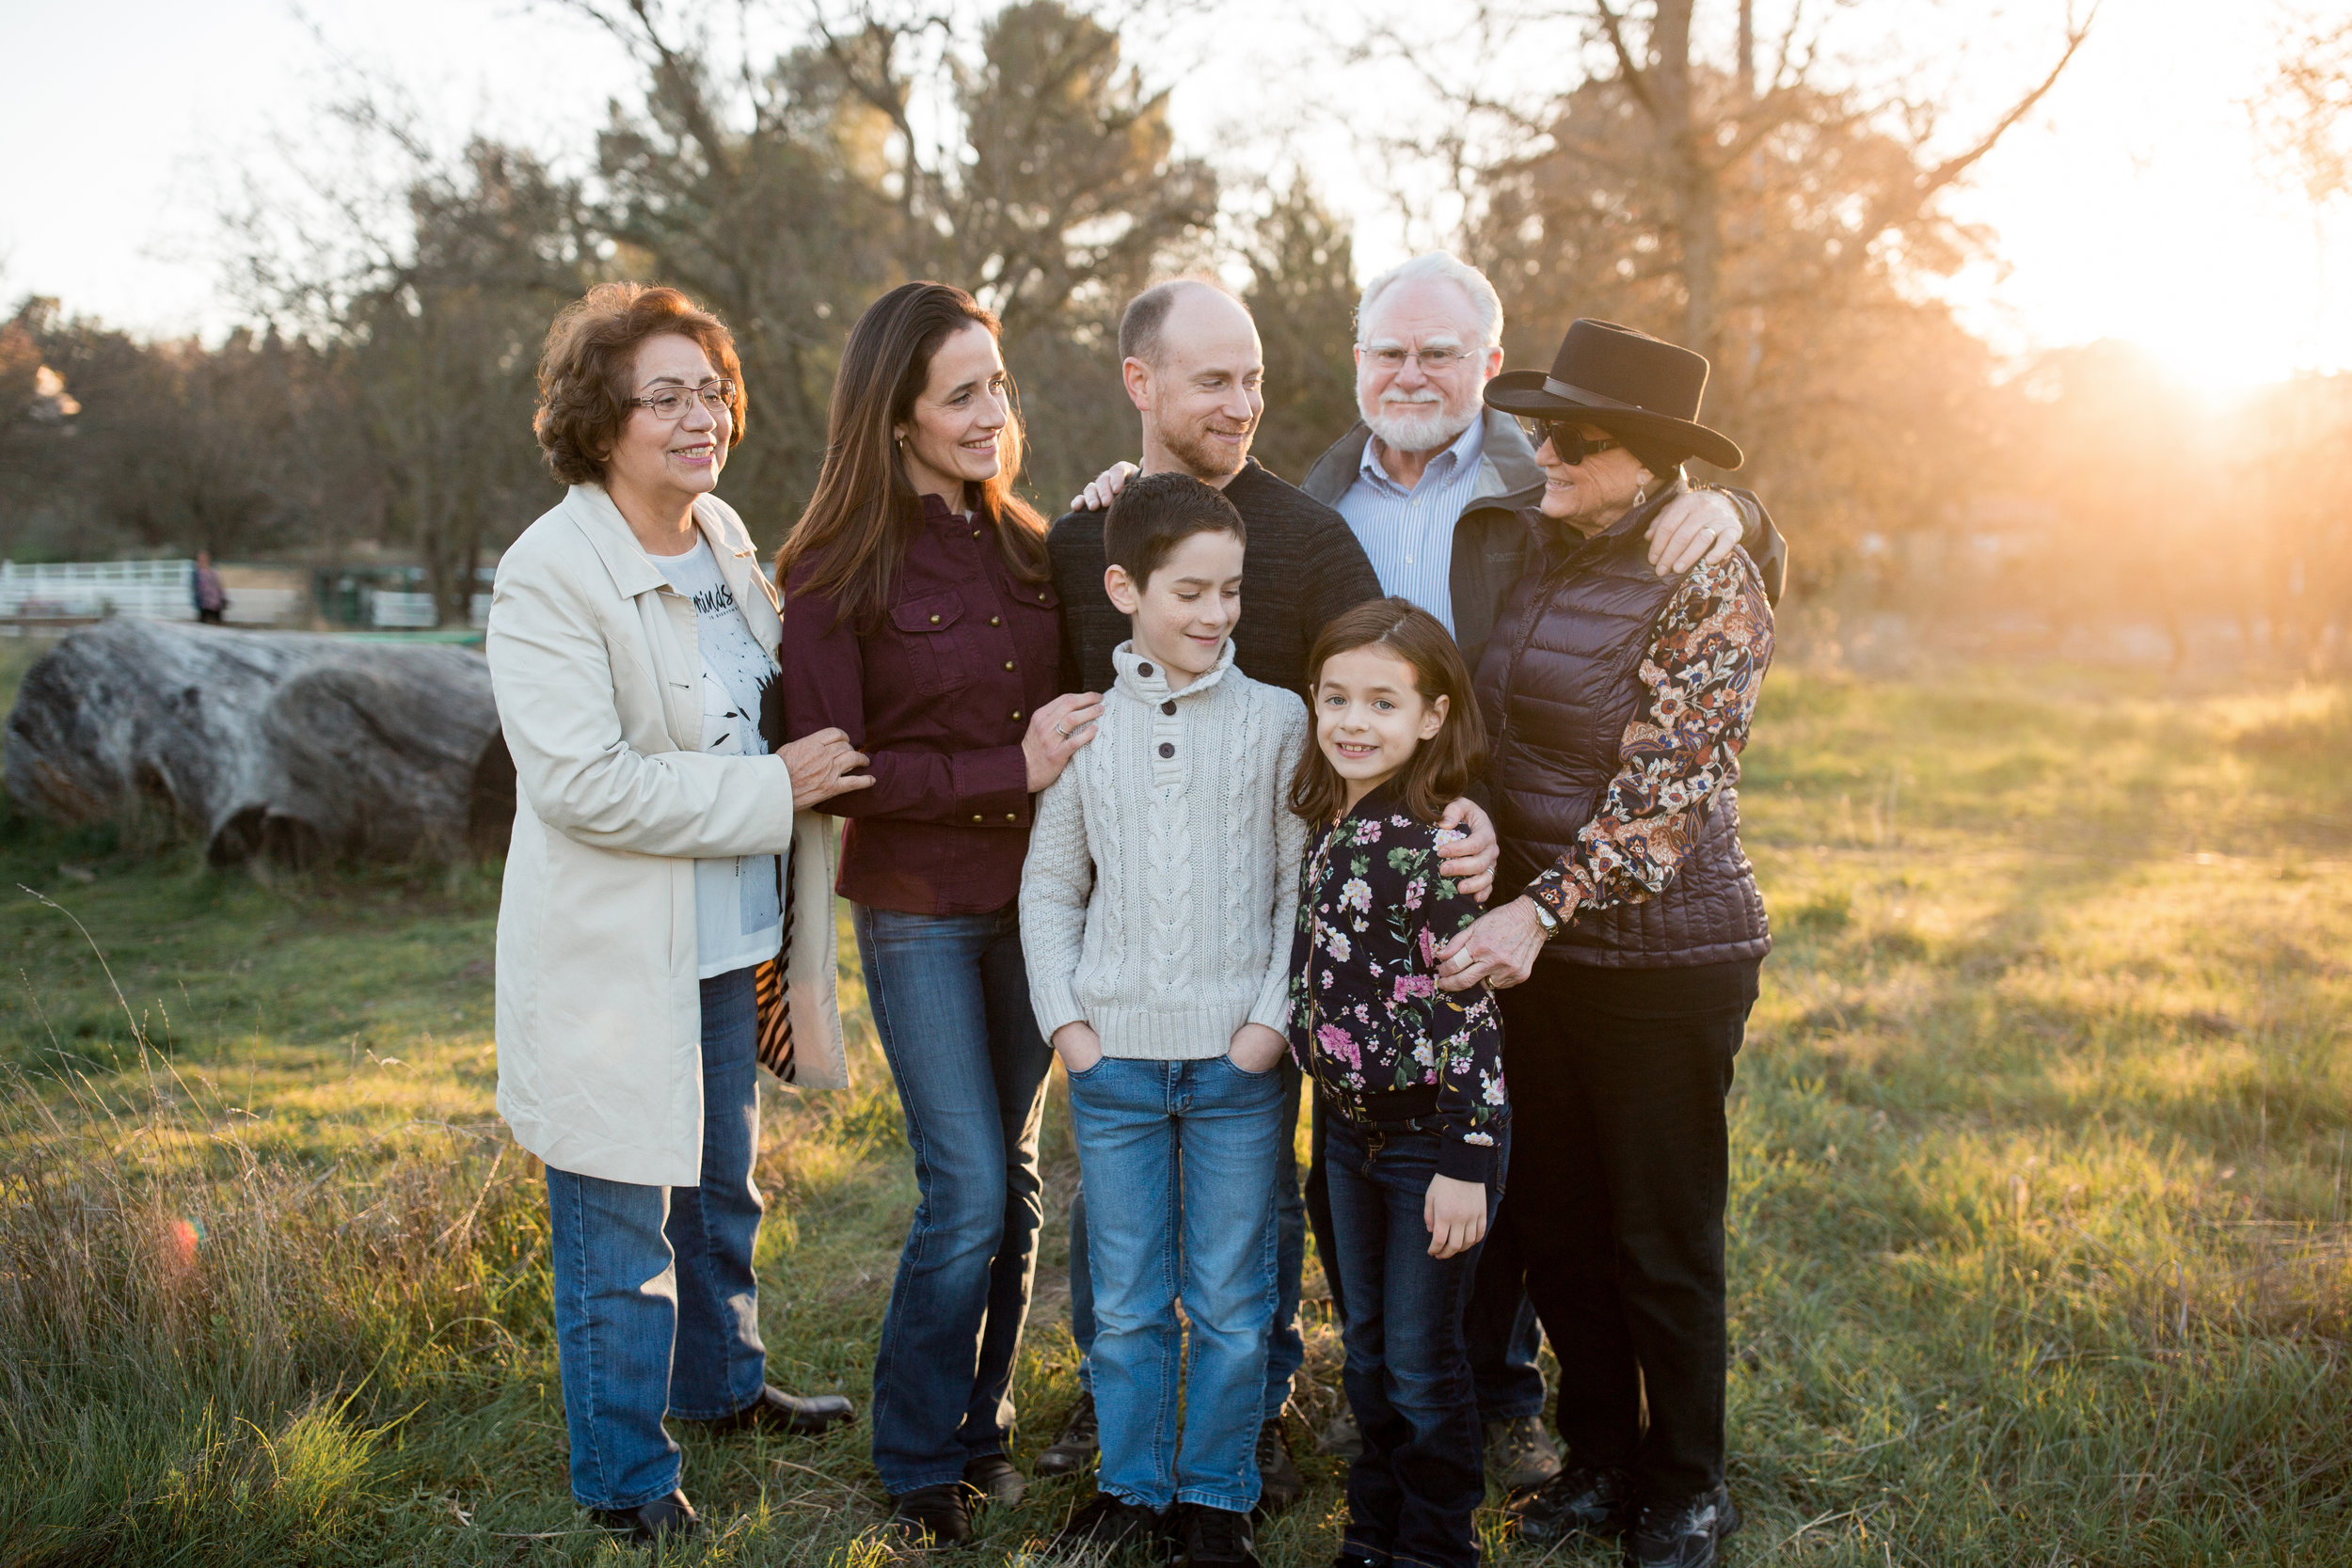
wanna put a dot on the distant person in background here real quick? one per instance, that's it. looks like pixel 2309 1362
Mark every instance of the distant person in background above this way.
pixel 1626 938
pixel 631 630
pixel 212 599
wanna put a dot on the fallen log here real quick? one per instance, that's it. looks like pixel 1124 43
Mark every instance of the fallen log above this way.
pixel 295 747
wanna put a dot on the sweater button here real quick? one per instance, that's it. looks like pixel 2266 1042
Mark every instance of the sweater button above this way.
pixel 934 620
pixel 1167 749
pixel 1016 715
pixel 975 533
pixel 1012 817
pixel 1144 670
pixel 1007 664
pixel 1169 708
pixel 995 620
pixel 976 816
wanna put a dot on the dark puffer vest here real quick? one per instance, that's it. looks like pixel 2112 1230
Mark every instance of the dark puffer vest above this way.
pixel 1558 683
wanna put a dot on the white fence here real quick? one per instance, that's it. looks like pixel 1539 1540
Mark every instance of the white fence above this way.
pixel 151 590
pixel 393 610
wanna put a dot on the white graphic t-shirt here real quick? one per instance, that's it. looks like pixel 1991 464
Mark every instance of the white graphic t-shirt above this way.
pixel 738 916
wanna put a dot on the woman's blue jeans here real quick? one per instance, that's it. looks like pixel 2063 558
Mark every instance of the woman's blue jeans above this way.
pixel 952 1002
pixel 1179 1164
pixel 656 1308
pixel 1411 1496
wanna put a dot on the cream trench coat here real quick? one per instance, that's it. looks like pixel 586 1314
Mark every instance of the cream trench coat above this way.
pixel 595 664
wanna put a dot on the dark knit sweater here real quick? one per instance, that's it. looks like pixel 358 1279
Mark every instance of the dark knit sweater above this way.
pixel 1302 567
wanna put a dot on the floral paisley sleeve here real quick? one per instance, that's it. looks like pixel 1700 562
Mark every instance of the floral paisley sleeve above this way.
pixel 1701 676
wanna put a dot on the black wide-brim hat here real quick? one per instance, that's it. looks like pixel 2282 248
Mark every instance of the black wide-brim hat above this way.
pixel 1637 388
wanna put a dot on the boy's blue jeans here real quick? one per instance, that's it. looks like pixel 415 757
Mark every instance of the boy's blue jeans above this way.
pixel 1412 1495
pixel 656 1308
pixel 1178 1159
pixel 951 1003
pixel 1286 1350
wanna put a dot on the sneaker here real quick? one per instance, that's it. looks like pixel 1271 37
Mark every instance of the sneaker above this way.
pixel 1279 1484
pixel 1213 1538
pixel 996 1478
pixel 1076 1446
pixel 1341 1438
pixel 1593 1498
pixel 1519 1453
pixel 1105 1523
pixel 1683 1534
pixel 937 1515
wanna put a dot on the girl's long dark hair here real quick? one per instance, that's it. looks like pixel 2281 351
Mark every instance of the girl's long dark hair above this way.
pixel 1443 765
pixel 862 516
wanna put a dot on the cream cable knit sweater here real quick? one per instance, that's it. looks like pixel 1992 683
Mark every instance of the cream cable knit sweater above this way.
pixel 1162 881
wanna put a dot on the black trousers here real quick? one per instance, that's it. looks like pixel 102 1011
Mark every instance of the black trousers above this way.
pixel 1619 1170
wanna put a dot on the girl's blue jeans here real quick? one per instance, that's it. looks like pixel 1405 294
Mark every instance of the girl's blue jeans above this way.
pixel 1412 1495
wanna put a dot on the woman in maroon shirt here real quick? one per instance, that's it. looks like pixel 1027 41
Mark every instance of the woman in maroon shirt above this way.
pixel 920 619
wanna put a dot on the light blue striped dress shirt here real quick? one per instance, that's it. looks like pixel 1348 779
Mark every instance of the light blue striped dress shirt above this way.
pixel 1409 534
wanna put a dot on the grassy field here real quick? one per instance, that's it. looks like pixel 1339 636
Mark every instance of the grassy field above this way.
pixel 2040 1251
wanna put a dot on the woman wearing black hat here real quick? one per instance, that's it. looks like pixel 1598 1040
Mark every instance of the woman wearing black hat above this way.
pixel 1628 919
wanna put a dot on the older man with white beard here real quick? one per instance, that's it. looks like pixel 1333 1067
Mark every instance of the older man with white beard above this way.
pixel 1432 482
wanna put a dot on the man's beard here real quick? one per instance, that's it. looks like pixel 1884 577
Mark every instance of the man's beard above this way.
pixel 1418 426
pixel 1205 459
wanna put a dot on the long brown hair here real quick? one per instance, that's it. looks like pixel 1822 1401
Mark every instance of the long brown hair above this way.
pixel 1444 765
pixel 863 513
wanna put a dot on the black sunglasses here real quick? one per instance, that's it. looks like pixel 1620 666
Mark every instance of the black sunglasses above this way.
pixel 1568 441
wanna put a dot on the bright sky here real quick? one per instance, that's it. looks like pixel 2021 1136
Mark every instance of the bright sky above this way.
pixel 2129 206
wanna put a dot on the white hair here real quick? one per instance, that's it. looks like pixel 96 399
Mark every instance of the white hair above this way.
pixel 1451 268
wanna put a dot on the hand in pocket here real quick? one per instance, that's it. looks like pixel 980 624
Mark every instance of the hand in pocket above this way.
pixel 1078 1046
pixel 1256 1048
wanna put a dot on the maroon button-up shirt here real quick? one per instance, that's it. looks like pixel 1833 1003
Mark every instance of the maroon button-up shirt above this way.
pixel 938 695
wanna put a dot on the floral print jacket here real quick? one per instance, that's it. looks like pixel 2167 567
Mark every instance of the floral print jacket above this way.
pixel 1386 1048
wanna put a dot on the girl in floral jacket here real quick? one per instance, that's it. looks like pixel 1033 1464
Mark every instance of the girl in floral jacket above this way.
pixel 1411 1076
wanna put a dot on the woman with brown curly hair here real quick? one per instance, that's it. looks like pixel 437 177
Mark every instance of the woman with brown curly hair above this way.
pixel 631 635
pixel 921 620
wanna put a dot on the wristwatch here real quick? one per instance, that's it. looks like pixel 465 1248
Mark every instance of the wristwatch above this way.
pixel 1549 921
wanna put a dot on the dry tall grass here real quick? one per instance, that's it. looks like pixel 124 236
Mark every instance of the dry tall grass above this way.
pixel 2040 1254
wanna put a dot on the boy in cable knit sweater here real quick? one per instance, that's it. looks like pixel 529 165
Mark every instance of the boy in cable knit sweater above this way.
pixel 1155 907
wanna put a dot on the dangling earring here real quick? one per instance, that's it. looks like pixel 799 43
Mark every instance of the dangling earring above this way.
pixel 1641 495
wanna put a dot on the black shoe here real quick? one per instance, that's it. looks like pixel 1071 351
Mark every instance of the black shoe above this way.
pixel 934 1515
pixel 1594 1498
pixel 670 1518
pixel 1076 1446
pixel 777 1411
pixel 1106 1523
pixel 1213 1538
pixel 1683 1534
pixel 1279 1484
pixel 996 1478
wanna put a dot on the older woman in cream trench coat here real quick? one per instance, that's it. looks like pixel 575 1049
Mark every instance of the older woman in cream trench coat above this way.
pixel 598 688
pixel 632 638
